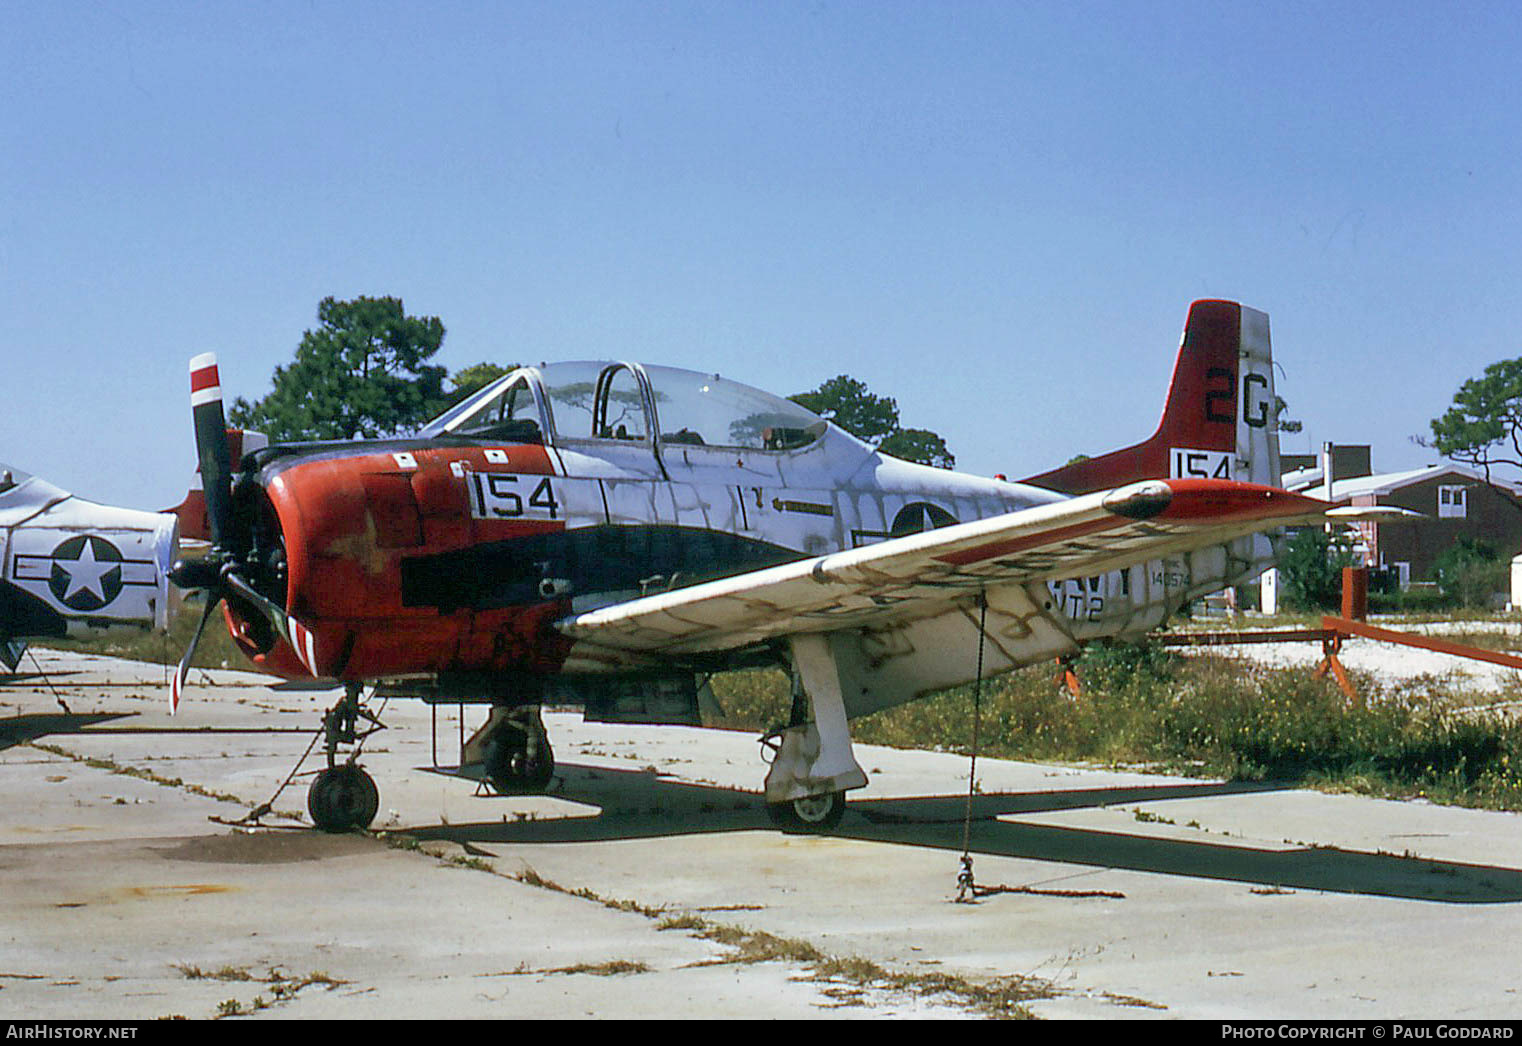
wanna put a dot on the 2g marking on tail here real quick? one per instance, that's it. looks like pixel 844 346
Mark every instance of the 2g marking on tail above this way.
pixel 1220 405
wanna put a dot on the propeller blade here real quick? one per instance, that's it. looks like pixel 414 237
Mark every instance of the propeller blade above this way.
pixel 177 687
pixel 211 446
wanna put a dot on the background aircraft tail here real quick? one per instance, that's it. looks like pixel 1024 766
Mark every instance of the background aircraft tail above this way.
pixel 1219 420
pixel 195 525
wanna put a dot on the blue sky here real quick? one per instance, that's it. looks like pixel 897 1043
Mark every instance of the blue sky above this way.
pixel 996 213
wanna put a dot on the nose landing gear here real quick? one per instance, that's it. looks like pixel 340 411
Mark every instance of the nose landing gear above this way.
pixel 343 798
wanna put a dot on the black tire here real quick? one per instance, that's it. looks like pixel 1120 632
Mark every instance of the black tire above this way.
pixel 512 768
pixel 811 815
pixel 343 799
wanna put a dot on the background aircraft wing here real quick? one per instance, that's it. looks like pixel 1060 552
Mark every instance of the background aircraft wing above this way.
pixel 923 575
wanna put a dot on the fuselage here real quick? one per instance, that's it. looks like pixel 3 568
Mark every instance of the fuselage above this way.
pixel 457 549
pixel 565 488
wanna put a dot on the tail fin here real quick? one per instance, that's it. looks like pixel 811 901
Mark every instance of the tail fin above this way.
pixel 1220 418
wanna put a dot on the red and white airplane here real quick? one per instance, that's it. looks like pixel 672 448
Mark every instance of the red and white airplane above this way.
pixel 605 534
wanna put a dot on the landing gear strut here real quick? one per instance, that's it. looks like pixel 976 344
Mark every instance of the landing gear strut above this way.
pixel 812 765
pixel 343 798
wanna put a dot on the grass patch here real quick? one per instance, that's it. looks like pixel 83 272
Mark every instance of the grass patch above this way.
pixel 226 973
pixel 1207 715
pixel 612 968
pixel 164 647
pixel 283 988
pixel 1003 997
pixel 750 699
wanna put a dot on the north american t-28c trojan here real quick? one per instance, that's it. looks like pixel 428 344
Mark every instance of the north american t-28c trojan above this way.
pixel 605 534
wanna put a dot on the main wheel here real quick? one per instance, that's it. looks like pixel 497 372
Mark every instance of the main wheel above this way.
pixel 519 759
pixel 814 813
pixel 343 799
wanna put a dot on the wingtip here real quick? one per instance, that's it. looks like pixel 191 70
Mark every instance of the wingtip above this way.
pixel 1140 500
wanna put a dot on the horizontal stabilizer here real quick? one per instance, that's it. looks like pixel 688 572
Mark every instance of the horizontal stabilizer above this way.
pixel 1373 514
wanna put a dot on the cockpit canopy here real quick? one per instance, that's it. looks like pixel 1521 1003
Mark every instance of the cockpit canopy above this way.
pixel 11 473
pixel 11 477
pixel 568 402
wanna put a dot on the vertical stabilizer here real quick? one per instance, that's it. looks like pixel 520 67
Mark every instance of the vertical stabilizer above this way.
pixel 1218 421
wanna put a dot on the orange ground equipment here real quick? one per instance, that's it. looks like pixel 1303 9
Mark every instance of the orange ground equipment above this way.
pixel 1335 630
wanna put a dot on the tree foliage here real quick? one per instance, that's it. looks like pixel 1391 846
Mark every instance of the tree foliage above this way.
pixel 873 418
pixel 469 380
pixel 1470 571
pixel 1311 569
pixel 363 372
pixel 1484 425
pixel 920 445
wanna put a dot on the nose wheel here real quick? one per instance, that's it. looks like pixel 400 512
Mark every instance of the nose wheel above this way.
pixel 343 799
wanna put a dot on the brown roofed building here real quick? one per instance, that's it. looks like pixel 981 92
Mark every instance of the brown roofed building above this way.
pixel 1454 502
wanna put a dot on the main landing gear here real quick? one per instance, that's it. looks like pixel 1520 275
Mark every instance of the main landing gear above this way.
pixel 812 768
pixel 514 750
pixel 343 798
pixel 812 764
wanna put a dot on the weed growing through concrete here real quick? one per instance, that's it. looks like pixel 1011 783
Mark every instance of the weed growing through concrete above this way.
pixel 138 772
pixel 282 988
pixel 1001 997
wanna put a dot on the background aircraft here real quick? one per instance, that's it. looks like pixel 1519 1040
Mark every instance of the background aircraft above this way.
pixel 69 566
pixel 605 534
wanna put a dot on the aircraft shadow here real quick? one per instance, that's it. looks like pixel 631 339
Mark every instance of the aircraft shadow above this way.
pixel 18 730
pixel 643 805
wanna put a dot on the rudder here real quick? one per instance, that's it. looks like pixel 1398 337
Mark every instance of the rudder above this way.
pixel 1219 420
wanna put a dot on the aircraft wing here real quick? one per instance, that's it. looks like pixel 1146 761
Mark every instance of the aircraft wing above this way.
pixel 922 575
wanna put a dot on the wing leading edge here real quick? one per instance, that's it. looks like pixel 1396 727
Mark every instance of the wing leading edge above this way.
pixel 924 575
